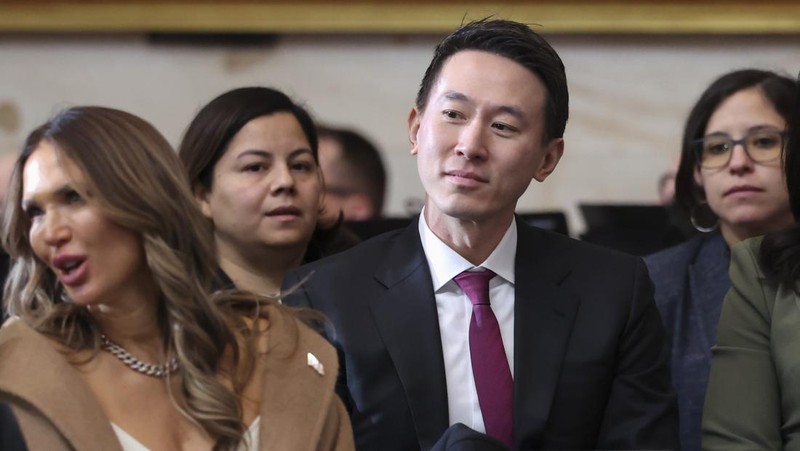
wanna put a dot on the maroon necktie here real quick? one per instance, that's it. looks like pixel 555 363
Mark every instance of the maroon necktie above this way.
pixel 489 364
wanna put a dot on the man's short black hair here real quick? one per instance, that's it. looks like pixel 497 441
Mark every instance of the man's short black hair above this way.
pixel 517 42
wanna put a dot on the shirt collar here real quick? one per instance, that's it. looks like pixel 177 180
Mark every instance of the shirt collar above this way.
pixel 445 263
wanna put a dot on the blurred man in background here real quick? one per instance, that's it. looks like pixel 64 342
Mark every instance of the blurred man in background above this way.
pixel 355 178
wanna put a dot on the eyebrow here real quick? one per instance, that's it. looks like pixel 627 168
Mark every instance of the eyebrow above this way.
pixel 301 151
pixel 457 96
pixel 755 128
pixel 256 152
pixel 513 111
pixel 507 109
pixel 764 127
pixel 59 192
pixel 267 154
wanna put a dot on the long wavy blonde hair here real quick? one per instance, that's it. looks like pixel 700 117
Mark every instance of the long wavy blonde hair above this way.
pixel 136 179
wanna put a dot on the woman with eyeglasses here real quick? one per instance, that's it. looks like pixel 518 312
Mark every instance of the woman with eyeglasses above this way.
pixel 730 185
pixel 753 399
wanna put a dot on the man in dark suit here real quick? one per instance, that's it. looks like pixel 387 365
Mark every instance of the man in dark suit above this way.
pixel 471 316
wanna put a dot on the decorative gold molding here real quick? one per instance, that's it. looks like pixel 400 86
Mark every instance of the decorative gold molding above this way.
pixel 338 16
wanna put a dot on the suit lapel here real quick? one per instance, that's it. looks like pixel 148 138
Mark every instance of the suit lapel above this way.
pixel 35 372
pixel 407 320
pixel 544 313
pixel 296 398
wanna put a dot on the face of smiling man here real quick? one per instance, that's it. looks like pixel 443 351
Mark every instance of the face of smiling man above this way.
pixel 479 141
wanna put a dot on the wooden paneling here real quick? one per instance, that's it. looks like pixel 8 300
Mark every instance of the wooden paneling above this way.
pixel 394 16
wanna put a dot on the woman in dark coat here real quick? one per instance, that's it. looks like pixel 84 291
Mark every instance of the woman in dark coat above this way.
pixel 730 184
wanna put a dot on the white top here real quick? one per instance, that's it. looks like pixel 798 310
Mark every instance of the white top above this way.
pixel 131 444
pixel 455 311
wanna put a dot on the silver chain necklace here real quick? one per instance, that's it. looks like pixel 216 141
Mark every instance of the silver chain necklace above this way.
pixel 148 369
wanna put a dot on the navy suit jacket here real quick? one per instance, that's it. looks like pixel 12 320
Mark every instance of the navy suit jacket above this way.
pixel 691 281
pixel 591 359
pixel 10 436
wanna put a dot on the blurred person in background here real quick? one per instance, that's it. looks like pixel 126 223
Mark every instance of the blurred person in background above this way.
pixel 355 177
pixel 666 185
pixel 7 161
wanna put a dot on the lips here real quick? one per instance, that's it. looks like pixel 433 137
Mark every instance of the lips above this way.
pixel 467 175
pixel 71 269
pixel 742 189
pixel 284 211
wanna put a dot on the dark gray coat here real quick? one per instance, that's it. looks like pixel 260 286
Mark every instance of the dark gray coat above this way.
pixel 691 280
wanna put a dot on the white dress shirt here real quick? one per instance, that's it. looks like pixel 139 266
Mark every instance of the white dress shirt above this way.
pixel 455 311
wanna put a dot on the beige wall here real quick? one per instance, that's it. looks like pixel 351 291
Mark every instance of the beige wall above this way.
pixel 629 95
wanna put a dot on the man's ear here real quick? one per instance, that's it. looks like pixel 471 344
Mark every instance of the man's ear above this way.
pixel 554 149
pixel 358 207
pixel 413 129
pixel 201 196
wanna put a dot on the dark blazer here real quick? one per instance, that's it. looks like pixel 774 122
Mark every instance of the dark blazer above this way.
pixel 459 437
pixel 590 359
pixel 691 280
pixel 10 435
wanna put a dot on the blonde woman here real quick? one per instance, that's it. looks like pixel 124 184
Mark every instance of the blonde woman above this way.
pixel 114 341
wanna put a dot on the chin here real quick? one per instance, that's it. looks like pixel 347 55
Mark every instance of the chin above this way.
pixel 469 212
pixel 288 243
pixel 751 214
pixel 81 299
pixel 757 223
pixel 460 207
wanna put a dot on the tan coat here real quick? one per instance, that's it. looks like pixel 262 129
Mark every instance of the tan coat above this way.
pixel 57 411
